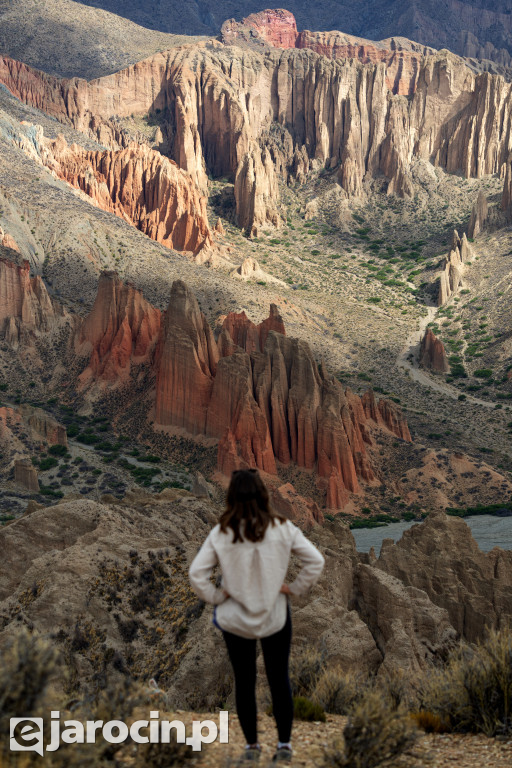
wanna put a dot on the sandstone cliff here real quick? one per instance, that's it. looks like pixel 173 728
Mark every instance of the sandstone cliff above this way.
pixel 25 474
pixel 479 214
pixel 278 29
pixel 433 353
pixel 263 396
pixel 139 185
pixel 25 306
pixel 222 105
pixel 122 329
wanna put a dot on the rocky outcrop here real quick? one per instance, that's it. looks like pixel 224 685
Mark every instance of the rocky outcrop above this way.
pixel 276 27
pixel 142 187
pixel 187 364
pixel 25 306
pixel 44 426
pixel 121 330
pixel 432 353
pixel 303 512
pixel 246 334
pixel 479 215
pixel 7 241
pixel 385 415
pixel 256 192
pixel 265 399
pixel 403 621
pixel 506 197
pixel 441 558
pixel 25 474
pixel 449 279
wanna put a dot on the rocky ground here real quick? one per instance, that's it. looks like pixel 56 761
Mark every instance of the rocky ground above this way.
pixel 310 741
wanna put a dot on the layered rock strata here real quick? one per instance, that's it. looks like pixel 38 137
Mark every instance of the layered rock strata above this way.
pixel 227 109
pixel 142 187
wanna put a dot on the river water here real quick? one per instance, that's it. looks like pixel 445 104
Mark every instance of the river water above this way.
pixel 488 531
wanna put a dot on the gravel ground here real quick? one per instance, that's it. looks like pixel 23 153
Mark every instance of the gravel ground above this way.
pixel 310 739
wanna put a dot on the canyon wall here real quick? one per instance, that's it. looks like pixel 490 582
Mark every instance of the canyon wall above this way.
pixel 222 101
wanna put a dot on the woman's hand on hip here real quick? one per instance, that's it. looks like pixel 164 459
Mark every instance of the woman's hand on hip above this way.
pixel 285 589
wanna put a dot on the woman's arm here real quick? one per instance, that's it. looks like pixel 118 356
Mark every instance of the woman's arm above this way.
pixel 200 571
pixel 312 563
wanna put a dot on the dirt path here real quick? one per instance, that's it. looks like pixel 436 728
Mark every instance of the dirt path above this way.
pixel 411 348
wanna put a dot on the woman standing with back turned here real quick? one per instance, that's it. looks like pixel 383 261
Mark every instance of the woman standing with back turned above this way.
pixel 252 544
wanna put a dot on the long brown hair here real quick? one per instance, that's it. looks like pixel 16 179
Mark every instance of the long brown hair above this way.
pixel 247 500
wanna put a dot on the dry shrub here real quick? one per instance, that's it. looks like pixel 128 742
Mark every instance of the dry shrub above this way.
pixel 27 667
pixel 374 737
pixel 337 691
pixel 430 722
pixel 473 692
pixel 306 666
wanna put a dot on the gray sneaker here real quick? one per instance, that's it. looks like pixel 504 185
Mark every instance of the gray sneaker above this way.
pixel 251 755
pixel 282 755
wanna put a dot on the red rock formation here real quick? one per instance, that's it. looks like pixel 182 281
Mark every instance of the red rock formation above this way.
pixel 278 29
pixel 265 399
pixel 25 306
pixel 303 512
pixel 8 241
pixel 187 364
pixel 249 336
pixel 433 353
pixel 506 197
pixel 122 329
pixel 386 414
pixel 142 187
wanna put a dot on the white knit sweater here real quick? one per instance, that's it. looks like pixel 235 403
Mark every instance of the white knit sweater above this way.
pixel 252 574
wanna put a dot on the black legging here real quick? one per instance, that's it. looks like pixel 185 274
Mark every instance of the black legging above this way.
pixel 276 650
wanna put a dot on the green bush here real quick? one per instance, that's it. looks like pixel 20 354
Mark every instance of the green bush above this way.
pixel 374 737
pixel 483 373
pixel 49 462
pixel 305 709
pixel 57 450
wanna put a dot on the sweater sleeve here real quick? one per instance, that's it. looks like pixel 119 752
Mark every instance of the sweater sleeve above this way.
pixel 200 572
pixel 312 563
